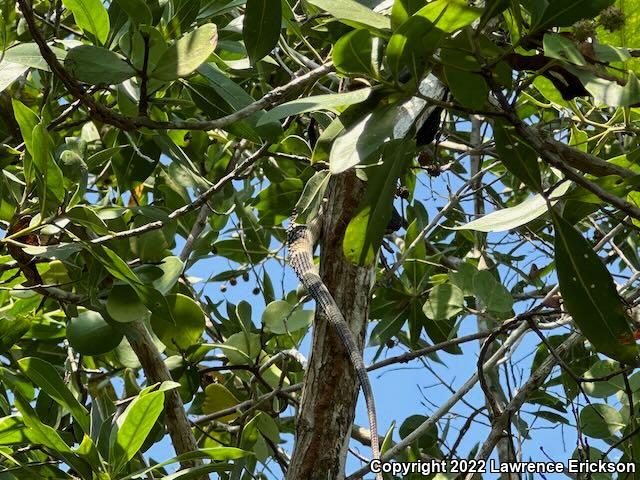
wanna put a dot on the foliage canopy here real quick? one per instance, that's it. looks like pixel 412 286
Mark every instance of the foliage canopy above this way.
pixel 152 151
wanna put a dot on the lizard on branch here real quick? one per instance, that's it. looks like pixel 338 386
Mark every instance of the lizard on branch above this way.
pixel 423 121
pixel 301 241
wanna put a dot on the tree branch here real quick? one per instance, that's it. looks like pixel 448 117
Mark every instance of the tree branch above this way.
pixel 103 114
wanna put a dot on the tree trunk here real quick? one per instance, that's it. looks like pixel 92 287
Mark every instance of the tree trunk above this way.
pixel 330 390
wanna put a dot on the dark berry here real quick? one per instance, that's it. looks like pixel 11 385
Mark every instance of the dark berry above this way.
pixel 403 192
pixel 584 29
pixel 612 19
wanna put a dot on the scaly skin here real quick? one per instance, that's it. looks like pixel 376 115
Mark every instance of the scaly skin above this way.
pixel 301 240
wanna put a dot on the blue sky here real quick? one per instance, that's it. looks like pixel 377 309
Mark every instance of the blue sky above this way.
pixel 408 389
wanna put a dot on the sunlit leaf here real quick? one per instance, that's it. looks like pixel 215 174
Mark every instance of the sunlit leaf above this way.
pixel 352 54
pixel 96 65
pixel 91 16
pixel 218 397
pixel 187 327
pixel 353 13
pixel 514 217
pixel 315 103
pixel 445 301
pixel 186 54
pixel 133 426
pixel 45 376
pixel 600 421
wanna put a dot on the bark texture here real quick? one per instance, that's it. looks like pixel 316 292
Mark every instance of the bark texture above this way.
pixel 330 390
pixel 156 370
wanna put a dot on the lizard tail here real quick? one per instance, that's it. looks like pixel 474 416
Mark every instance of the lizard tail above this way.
pixel 301 240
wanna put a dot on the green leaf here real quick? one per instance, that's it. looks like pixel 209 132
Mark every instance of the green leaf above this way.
pixel 309 202
pixel 12 430
pixel 217 397
pixel 353 13
pixel 117 267
pixel 463 278
pixel 261 27
pixel 552 417
pixel 90 334
pixel 445 301
pixel 428 439
pixel 45 376
pixel 89 452
pixel 27 120
pixel 185 55
pixel 519 158
pixel 13 329
pixel 51 178
pixel 275 201
pixel 449 15
pixel 560 47
pixel 564 13
pixel 590 296
pixel 221 454
pixel 363 139
pixel 387 327
pixel 9 73
pixel 187 327
pixel 280 318
pixel 610 92
pixel 364 233
pixel 494 296
pixel 133 426
pixel 91 16
pixel 268 427
pixel 366 136
pixel 598 420
pixel 194 473
pixel 229 97
pixel 470 89
pixel 514 217
pixel 146 44
pixel 315 103
pixel 28 54
pixel 603 388
pixel 42 434
pixel 402 10
pixel 241 348
pixel 137 10
pixel 626 36
pixel 87 217
pixel 611 183
pixel 123 304
pixel 420 35
pixel 171 267
pixel 97 65
pixel 184 14
pixel 492 10
pixel 352 53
